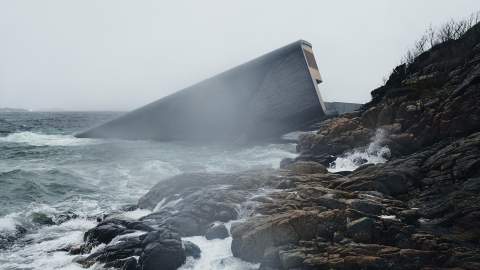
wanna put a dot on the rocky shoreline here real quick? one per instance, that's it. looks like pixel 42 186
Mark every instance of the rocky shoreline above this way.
pixel 419 210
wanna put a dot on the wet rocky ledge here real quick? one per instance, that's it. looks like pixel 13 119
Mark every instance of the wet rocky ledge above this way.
pixel 419 210
pixel 384 216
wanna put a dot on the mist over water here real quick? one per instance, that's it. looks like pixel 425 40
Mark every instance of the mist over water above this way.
pixel 45 170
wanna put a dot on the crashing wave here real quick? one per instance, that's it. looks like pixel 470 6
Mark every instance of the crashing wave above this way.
pixel 38 139
pixel 376 152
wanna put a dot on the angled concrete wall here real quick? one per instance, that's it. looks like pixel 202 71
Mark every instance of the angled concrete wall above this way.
pixel 265 97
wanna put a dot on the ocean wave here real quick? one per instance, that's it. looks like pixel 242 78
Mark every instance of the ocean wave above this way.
pixel 376 152
pixel 8 223
pixel 267 156
pixel 41 249
pixel 21 187
pixel 160 168
pixel 38 139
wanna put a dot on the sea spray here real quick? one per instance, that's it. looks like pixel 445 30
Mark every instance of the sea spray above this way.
pixel 375 152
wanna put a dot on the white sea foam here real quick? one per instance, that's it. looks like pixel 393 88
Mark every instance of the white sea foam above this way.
pixel 159 167
pixel 374 153
pixel 216 255
pixel 391 217
pixel 37 139
pixel 254 157
pixel 8 223
pixel 137 213
pixel 42 249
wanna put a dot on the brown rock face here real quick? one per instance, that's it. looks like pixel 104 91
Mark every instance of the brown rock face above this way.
pixel 254 237
pixel 306 167
pixel 420 210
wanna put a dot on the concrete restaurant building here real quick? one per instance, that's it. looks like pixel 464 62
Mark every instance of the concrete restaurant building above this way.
pixel 263 98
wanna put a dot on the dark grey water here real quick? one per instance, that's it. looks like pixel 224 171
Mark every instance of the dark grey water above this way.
pixel 45 170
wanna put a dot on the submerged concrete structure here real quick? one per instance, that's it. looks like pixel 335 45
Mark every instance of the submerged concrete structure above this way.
pixel 265 97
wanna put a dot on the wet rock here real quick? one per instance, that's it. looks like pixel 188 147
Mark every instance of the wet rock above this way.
pixel 42 219
pixel 330 201
pixel 226 215
pixel 130 264
pixel 366 206
pixel 64 217
pixel 262 199
pixel 409 216
pixel 191 250
pixel 271 259
pixel 216 231
pixel 191 208
pixel 286 184
pixel 291 259
pixel 128 207
pixel 361 230
pixel 285 162
pixel 163 250
pixel 306 167
pixel 75 250
pixel 190 184
pixel 104 232
pixel 472 185
pixel 252 238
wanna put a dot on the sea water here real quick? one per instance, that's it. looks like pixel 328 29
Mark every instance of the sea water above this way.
pixel 45 170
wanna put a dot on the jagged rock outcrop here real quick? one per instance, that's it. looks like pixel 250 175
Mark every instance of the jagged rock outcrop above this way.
pixel 432 99
pixel 417 211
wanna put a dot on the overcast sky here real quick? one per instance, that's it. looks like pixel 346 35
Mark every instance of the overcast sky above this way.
pixel 118 55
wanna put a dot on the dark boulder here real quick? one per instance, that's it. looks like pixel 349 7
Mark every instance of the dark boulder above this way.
pixel 42 219
pixel 130 264
pixel 191 250
pixel 105 231
pixel 286 184
pixel 64 217
pixel 163 250
pixel 216 231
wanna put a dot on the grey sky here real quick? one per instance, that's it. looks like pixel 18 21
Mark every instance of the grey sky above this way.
pixel 118 55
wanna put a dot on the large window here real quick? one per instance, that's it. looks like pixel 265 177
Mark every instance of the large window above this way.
pixel 310 60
